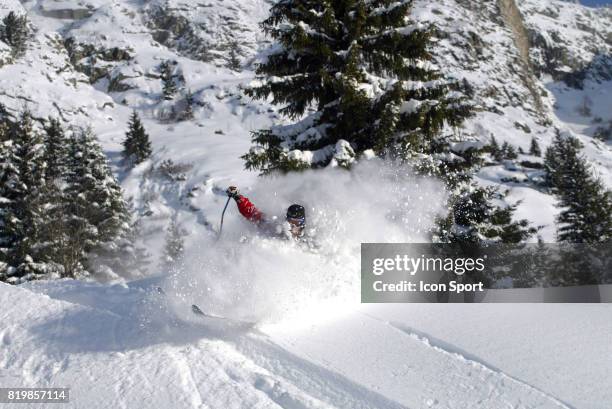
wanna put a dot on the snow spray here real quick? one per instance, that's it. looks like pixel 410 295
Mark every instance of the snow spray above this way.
pixel 251 276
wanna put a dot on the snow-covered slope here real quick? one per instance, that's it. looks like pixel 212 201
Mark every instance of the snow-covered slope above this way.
pixel 531 65
pixel 118 346
pixel 566 37
pixel 92 62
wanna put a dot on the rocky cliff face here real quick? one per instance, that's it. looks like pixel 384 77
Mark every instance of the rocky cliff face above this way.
pixel 513 19
pixel 530 65
pixel 568 41
pixel 502 49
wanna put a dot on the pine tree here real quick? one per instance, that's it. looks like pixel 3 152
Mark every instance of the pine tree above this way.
pixel 585 107
pixel 533 266
pixel 495 150
pixel 234 60
pixel 534 148
pixel 167 75
pixel 56 146
pixel 23 205
pixel 189 101
pixel 474 218
pixel 361 74
pixel 173 249
pixel 15 32
pixel 586 215
pixel 508 151
pixel 511 152
pixel 136 146
pixel 4 130
pixel 69 223
pixel 11 226
pixel 119 257
pixel 5 123
pixel 81 234
pixel 3 113
pixel 98 215
pixel 55 232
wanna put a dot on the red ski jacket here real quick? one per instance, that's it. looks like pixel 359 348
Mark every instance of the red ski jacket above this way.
pixel 248 210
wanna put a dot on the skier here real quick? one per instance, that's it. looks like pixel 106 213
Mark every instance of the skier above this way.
pixel 295 218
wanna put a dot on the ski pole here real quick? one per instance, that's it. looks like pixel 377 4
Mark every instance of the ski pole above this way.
pixel 223 215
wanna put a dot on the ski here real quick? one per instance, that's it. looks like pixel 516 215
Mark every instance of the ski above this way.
pixel 198 311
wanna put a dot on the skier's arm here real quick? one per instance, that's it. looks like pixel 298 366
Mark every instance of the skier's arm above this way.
pixel 245 207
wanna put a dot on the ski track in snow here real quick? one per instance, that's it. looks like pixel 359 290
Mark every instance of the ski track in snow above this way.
pixel 315 380
pixel 409 368
pixel 455 353
pixel 205 364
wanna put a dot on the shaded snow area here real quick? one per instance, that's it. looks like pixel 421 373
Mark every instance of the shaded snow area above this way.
pixel 294 334
pixel 123 346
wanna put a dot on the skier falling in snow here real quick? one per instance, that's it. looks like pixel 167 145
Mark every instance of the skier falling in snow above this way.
pixel 295 218
pixel 293 228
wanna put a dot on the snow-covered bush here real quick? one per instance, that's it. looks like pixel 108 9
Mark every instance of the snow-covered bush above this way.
pixel 174 171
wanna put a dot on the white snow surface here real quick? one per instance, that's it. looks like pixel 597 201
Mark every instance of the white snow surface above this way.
pixel 121 346
pixel 296 336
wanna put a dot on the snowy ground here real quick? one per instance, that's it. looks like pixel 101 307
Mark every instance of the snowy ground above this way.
pixel 313 345
pixel 120 347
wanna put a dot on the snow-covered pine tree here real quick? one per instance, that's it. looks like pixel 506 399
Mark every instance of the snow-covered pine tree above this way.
pixel 532 265
pixel 508 151
pixel 478 214
pixel 360 73
pixel 82 234
pixel 586 106
pixel 3 113
pixel 586 215
pixel 5 123
pixel 56 145
pixel 4 130
pixel 136 146
pixel 15 32
pixel 11 227
pixel 234 59
pixel 474 217
pixel 534 148
pixel 24 252
pixel 98 216
pixel 55 232
pixel 495 150
pixel 174 248
pixel 120 257
pixel 189 101
pixel 169 88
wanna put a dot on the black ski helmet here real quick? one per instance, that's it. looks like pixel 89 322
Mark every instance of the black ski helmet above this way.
pixel 296 211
